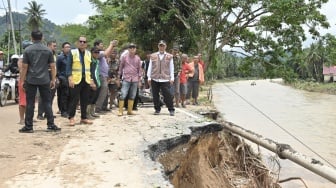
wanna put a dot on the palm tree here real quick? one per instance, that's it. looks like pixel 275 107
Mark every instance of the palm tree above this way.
pixel 315 59
pixel 35 13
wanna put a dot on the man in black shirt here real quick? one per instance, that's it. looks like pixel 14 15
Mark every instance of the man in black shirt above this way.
pixel 37 59
pixel 145 65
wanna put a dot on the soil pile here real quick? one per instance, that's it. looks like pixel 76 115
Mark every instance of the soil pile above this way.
pixel 211 157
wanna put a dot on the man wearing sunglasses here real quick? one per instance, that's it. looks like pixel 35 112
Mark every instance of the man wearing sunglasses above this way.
pixel 80 80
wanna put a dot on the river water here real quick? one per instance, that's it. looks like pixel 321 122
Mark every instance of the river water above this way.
pixel 285 115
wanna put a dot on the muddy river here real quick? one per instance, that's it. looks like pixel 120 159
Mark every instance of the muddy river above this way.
pixel 304 120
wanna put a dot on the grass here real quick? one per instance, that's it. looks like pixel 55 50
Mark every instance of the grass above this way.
pixel 329 88
pixel 207 102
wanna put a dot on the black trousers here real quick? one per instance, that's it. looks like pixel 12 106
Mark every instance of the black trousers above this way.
pixel 93 95
pixel 80 93
pixel 193 89
pixel 41 110
pixel 63 98
pixel 163 87
pixel 45 94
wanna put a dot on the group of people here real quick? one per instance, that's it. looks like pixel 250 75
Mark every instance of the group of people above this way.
pixel 188 75
pixel 89 79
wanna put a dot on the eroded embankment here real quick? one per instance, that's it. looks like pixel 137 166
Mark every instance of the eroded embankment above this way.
pixel 210 157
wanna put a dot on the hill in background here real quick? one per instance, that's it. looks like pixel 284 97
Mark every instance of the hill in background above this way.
pixel 50 30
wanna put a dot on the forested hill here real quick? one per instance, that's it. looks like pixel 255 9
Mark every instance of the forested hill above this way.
pixel 49 29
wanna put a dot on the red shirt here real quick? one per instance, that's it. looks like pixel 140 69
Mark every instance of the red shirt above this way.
pixel 203 65
pixel 184 71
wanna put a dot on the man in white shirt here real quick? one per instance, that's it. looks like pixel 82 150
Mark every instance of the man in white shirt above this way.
pixel 161 77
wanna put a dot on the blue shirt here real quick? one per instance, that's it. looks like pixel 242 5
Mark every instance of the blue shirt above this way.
pixel 103 65
pixel 61 64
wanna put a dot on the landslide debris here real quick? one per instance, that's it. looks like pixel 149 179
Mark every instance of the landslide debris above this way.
pixel 210 157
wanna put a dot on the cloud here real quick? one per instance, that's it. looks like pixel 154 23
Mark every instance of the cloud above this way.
pixel 328 9
pixel 80 19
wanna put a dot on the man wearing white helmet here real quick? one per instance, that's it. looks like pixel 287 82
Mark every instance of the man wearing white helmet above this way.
pixel 14 70
pixel 13 66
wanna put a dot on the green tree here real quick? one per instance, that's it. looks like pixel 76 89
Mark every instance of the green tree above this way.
pixel 253 26
pixel 330 49
pixel 309 64
pixel 265 31
pixel 150 21
pixel 71 32
pixel 257 27
pixel 109 23
pixel 315 59
pixel 35 14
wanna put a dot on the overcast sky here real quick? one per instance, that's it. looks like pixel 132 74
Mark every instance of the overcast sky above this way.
pixel 328 10
pixel 58 11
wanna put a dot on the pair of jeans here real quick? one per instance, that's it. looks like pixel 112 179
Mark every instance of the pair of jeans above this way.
pixel 45 94
pixel 128 89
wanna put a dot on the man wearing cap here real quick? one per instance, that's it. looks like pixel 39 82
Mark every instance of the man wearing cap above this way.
pixel 2 60
pixel 94 91
pixel 161 77
pixel 130 71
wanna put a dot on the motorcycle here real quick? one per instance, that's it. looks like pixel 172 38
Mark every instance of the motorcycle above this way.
pixel 144 96
pixel 9 88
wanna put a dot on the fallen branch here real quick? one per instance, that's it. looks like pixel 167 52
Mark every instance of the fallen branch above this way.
pixel 294 178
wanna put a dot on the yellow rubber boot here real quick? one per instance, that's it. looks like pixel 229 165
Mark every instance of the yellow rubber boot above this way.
pixel 130 107
pixel 121 108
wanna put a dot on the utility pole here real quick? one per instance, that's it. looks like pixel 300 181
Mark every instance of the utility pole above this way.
pixel 20 39
pixel 12 25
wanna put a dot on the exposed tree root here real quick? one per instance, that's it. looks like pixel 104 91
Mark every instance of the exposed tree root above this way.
pixel 214 158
